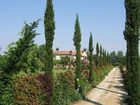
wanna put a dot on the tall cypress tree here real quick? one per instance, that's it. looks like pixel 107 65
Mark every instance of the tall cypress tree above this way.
pixel 131 35
pixel 97 55
pixel 77 41
pixel 101 55
pixel 101 51
pixel 49 36
pixel 90 59
pixel 97 49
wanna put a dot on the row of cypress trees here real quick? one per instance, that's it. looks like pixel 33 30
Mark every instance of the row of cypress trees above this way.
pixel 49 35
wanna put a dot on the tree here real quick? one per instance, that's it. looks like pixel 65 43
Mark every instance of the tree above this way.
pixel 101 51
pixel 42 55
pixel 100 55
pixel 97 49
pixel 131 35
pixel 18 49
pixel 120 54
pixel 108 57
pixel 121 58
pixel 77 41
pixel 90 59
pixel 49 36
pixel 30 61
pixel 104 56
pixel 97 55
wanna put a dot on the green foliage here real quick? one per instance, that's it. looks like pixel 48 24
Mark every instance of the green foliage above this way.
pixel 49 35
pixel 84 83
pixel 131 35
pixel 101 51
pixel 29 61
pixel 117 58
pixel 18 49
pixel 65 89
pixel 77 41
pixel 102 72
pixel 97 49
pixel 65 60
pixel 3 60
pixel 6 90
pixel 97 58
pixel 28 91
pixel 90 59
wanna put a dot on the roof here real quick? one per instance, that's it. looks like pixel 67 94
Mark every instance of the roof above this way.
pixel 61 53
pixel 72 53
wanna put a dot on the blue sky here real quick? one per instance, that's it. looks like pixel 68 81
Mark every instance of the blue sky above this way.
pixel 104 18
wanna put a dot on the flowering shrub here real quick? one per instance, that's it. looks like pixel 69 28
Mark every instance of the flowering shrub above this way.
pixel 30 90
pixel 65 89
pixel 35 89
pixel 45 81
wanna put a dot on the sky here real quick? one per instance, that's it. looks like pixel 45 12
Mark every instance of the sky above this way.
pixel 104 18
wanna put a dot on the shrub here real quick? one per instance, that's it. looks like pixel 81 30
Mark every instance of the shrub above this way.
pixel 31 90
pixel 45 80
pixel 6 90
pixel 65 89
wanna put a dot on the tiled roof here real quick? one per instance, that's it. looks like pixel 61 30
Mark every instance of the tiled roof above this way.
pixel 72 52
pixel 61 53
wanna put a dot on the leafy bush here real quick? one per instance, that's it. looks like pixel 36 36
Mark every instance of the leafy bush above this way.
pixel 65 60
pixel 32 90
pixel 46 80
pixel 65 89
pixel 6 90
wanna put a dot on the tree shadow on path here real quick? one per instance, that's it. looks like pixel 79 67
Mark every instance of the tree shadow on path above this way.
pixel 90 101
pixel 110 91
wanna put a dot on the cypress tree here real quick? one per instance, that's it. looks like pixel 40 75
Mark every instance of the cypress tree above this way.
pixel 77 41
pixel 97 55
pixel 49 36
pixel 97 49
pixel 90 59
pixel 101 50
pixel 103 58
pixel 101 55
pixel 108 58
pixel 131 35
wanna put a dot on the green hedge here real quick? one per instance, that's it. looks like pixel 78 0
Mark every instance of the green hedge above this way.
pixel 34 89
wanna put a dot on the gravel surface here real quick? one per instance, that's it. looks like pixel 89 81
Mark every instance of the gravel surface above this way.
pixel 109 92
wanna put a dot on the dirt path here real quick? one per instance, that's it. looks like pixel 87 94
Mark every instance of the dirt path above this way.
pixel 109 92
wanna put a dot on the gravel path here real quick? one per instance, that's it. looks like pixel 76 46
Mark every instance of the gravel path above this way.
pixel 109 92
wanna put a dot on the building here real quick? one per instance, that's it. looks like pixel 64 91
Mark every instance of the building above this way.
pixel 72 54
